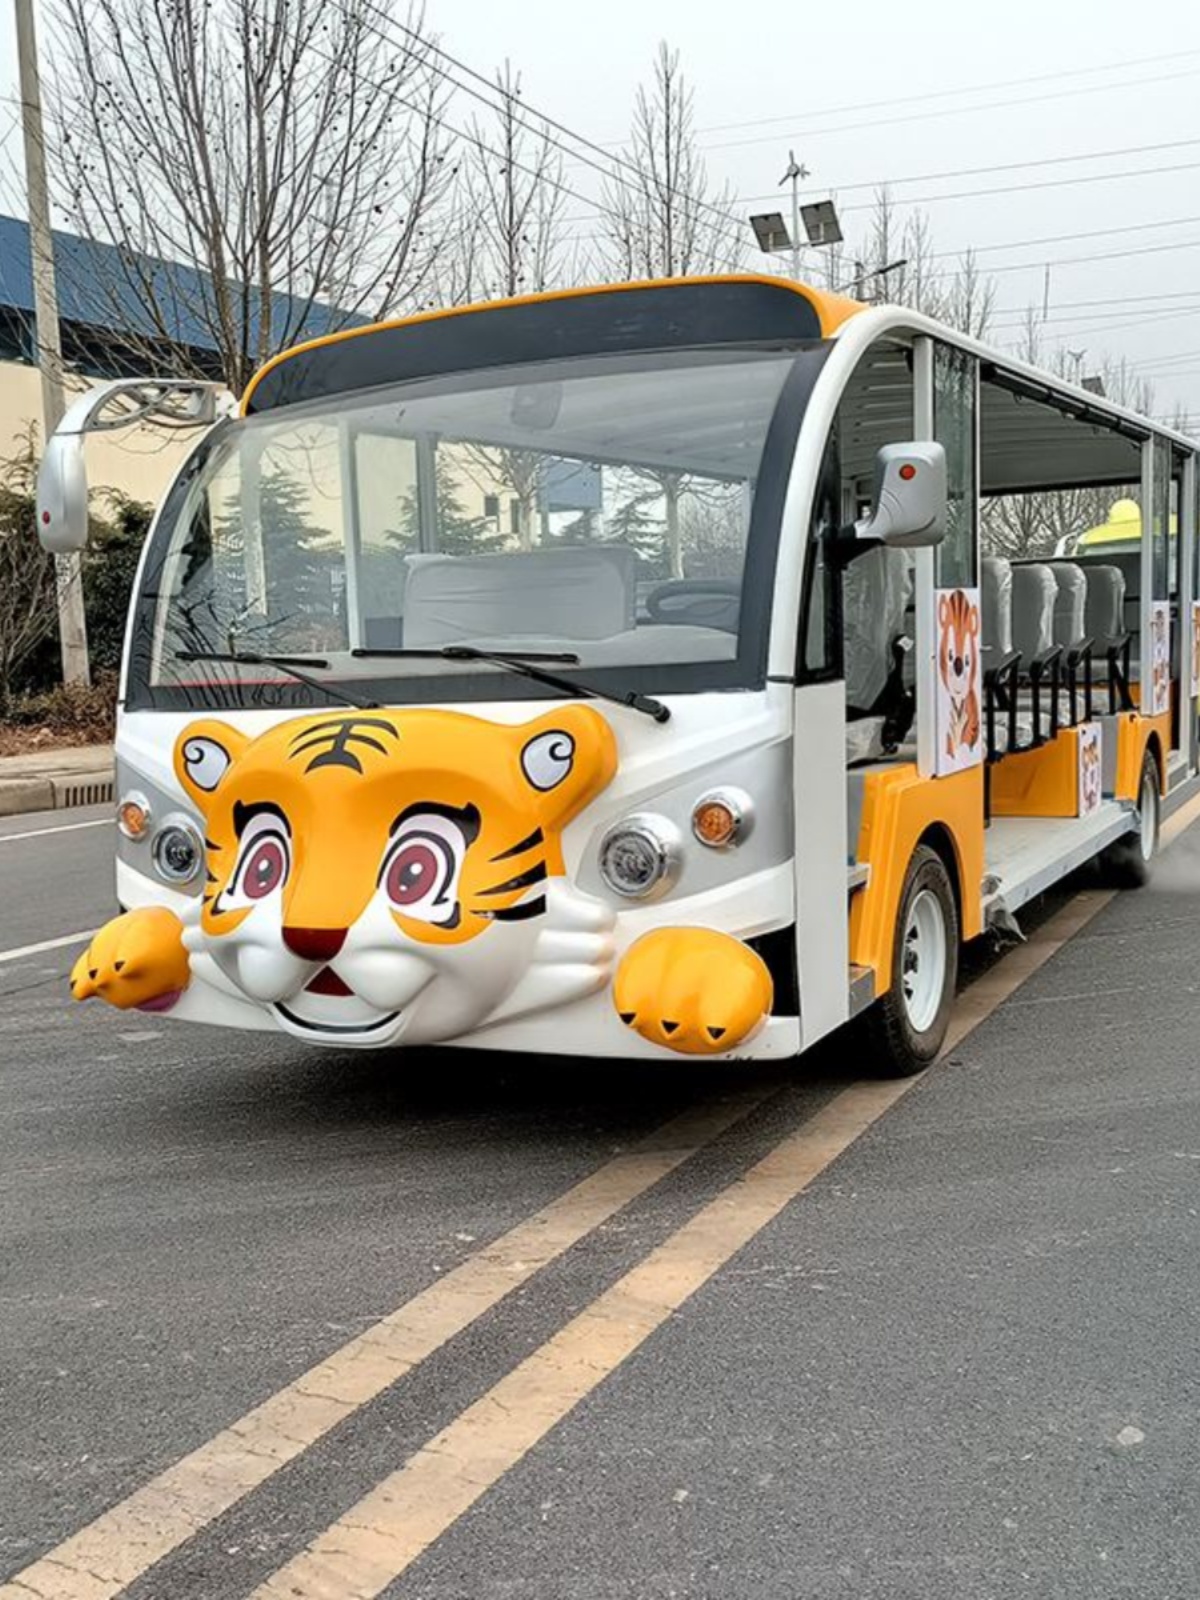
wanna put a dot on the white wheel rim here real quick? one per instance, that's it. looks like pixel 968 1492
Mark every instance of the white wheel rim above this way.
pixel 923 961
pixel 1148 816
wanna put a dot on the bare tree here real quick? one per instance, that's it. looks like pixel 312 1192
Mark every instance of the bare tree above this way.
pixel 282 147
pixel 27 609
pixel 508 240
pixel 961 296
pixel 661 216
pixel 513 190
pixel 1033 524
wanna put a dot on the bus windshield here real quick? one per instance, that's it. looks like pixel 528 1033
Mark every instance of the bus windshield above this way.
pixel 621 512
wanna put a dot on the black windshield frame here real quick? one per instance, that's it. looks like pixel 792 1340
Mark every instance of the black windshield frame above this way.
pixel 747 670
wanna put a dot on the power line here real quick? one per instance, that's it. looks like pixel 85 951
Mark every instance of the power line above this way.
pixel 1025 188
pixel 544 121
pixel 1107 300
pixel 1003 166
pixel 1065 238
pixel 945 94
pixel 797 134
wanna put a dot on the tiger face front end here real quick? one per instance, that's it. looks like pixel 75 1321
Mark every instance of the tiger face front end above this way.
pixel 396 878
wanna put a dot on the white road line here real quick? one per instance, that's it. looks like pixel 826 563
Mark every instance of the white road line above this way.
pixel 67 827
pixel 24 950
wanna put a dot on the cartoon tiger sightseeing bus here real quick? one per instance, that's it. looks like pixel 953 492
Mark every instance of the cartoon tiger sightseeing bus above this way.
pixel 620 672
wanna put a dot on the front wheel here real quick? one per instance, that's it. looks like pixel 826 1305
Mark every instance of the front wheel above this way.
pixel 1127 863
pixel 905 1028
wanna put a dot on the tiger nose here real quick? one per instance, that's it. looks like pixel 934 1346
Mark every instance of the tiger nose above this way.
pixel 958 664
pixel 314 944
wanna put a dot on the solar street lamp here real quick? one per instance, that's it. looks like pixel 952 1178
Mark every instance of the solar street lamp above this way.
pixel 819 220
pixel 821 223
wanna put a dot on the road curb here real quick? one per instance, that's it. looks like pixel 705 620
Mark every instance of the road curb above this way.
pixel 83 788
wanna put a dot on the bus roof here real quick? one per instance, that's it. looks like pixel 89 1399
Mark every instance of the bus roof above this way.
pixel 722 309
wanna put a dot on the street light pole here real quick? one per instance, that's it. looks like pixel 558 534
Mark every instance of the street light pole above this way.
pixel 793 175
pixel 72 626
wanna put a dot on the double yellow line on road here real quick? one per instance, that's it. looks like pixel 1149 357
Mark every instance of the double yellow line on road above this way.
pixel 366 1549
pixel 126 1541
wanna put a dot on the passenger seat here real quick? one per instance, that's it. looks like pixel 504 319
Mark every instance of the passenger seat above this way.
pixel 1000 662
pixel 1071 633
pixel 1034 596
pixel 1105 626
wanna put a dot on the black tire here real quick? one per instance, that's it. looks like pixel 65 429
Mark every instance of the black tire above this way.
pixel 1126 864
pixel 905 1028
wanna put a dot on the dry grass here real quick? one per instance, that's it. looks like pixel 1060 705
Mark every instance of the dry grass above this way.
pixel 63 716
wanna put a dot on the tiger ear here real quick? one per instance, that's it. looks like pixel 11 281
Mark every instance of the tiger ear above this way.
pixel 944 610
pixel 204 753
pixel 567 757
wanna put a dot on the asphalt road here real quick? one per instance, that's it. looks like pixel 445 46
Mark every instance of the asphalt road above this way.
pixel 963 1363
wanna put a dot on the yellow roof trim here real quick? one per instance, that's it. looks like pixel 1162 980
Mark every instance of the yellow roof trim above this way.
pixel 832 311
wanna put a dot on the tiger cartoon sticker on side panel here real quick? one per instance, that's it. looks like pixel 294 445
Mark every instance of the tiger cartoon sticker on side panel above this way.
pixel 959 740
pixel 378 878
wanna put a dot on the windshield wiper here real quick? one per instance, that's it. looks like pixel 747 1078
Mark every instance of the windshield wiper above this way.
pixel 523 662
pixel 291 665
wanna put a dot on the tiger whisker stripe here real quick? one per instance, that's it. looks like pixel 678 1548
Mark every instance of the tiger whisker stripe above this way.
pixel 524 880
pixel 519 849
pixel 518 913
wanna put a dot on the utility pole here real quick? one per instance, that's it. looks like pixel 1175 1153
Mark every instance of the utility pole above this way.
pixel 793 175
pixel 72 626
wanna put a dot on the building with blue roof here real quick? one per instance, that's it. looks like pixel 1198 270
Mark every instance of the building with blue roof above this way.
pixel 106 322
pixel 110 330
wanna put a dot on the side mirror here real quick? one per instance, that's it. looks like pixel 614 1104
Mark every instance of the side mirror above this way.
pixel 62 486
pixel 910 497
pixel 62 495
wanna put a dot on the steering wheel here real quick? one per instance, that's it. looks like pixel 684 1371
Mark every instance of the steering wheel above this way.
pixel 700 602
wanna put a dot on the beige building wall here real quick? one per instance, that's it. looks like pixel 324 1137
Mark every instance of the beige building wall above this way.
pixel 139 462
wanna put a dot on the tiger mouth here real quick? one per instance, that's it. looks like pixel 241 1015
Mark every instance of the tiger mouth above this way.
pixel 328 986
pixel 311 1025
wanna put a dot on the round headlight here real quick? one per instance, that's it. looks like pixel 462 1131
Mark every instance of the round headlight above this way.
pixel 133 815
pixel 638 856
pixel 178 850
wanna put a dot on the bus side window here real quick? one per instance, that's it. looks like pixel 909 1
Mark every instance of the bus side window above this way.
pixel 955 413
pixel 821 622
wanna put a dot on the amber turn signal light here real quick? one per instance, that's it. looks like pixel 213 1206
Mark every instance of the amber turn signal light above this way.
pixel 719 820
pixel 133 816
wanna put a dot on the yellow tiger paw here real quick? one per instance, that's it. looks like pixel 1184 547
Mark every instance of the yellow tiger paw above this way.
pixel 137 959
pixel 692 989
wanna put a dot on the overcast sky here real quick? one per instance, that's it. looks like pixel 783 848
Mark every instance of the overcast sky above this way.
pixel 961 87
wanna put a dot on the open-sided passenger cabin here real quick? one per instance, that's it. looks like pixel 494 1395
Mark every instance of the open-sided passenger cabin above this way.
pixel 1066 647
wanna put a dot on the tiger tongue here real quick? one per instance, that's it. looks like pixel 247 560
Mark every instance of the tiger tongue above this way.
pixel 328 982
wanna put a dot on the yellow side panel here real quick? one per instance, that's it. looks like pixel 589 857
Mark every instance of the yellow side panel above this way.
pixel 1039 783
pixel 1133 734
pixel 898 807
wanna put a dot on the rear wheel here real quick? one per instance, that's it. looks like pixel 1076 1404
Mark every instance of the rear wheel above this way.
pixel 906 1026
pixel 1127 863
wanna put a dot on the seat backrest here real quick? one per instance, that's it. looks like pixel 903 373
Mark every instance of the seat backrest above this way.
pixel 1070 603
pixel 996 604
pixel 1105 616
pixel 875 594
pixel 574 592
pixel 1034 594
